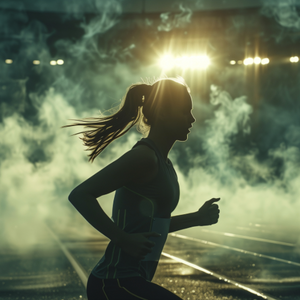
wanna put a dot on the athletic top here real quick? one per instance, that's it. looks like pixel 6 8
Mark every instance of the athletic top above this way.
pixel 141 208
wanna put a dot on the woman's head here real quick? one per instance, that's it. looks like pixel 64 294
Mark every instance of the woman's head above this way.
pixel 168 107
pixel 164 104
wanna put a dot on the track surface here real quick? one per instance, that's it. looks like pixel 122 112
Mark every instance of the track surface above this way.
pixel 252 261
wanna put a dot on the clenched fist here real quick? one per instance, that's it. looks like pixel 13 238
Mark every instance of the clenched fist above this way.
pixel 208 213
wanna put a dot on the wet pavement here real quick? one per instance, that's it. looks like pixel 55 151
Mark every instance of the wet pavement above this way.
pixel 58 265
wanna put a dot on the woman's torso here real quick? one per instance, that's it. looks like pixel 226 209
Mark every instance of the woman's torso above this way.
pixel 140 208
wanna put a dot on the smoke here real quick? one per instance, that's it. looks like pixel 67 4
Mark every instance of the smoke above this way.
pixel 284 12
pixel 244 153
pixel 169 21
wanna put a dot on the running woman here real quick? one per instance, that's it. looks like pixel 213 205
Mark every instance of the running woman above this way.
pixel 146 186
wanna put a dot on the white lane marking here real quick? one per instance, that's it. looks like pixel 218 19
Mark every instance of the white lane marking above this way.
pixel 79 270
pixel 249 238
pixel 220 277
pixel 235 249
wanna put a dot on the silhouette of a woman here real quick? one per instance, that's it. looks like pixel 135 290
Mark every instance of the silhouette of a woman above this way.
pixel 147 190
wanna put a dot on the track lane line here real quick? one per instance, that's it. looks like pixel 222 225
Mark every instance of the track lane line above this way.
pixel 77 267
pixel 220 277
pixel 249 238
pixel 235 249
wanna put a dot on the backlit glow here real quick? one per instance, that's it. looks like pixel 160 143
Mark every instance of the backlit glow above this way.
pixel 53 62
pixel 265 61
pixel 257 60
pixel 60 62
pixel 294 59
pixel 185 62
pixel 8 61
pixel 248 61
pixel 232 62
pixel 36 62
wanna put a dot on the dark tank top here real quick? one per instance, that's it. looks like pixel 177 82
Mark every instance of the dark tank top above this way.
pixel 141 208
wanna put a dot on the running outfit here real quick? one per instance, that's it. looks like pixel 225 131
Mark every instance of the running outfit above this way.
pixel 138 208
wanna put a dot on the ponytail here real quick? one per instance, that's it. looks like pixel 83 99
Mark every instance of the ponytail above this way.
pixel 107 129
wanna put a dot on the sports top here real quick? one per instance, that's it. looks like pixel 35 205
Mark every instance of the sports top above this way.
pixel 141 208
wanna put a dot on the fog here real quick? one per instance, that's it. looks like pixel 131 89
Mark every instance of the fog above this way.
pixel 245 152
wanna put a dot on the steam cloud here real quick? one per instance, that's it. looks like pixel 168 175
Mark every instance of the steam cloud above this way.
pixel 254 171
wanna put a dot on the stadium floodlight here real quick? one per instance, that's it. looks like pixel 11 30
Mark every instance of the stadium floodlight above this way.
pixel 167 62
pixel 60 62
pixel 185 62
pixel 294 59
pixel 257 60
pixel 36 62
pixel 232 62
pixel 53 62
pixel 8 61
pixel 248 61
pixel 265 61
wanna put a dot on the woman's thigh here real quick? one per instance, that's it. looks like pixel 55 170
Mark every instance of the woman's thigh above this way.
pixel 126 289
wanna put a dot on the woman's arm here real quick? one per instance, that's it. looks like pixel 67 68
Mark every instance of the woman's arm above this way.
pixel 133 165
pixel 208 214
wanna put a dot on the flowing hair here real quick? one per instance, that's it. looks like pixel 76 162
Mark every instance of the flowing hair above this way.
pixel 138 107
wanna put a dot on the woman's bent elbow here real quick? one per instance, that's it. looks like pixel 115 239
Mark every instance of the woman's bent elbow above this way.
pixel 73 195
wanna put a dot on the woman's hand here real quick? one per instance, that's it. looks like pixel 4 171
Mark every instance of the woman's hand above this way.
pixel 138 245
pixel 208 213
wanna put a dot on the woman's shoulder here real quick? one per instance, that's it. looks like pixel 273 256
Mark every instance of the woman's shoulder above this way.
pixel 144 153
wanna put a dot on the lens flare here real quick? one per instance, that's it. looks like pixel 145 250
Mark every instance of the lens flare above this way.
pixel 185 62
pixel 265 61
pixel 167 62
pixel 248 61
pixel 257 60
pixel 294 59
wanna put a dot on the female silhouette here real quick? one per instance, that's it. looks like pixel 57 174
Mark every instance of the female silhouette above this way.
pixel 146 186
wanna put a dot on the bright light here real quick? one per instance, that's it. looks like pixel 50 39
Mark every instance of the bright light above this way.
pixel 248 61
pixel 265 61
pixel 60 62
pixel 257 60
pixel 294 59
pixel 232 62
pixel 36 62
pixel 185 62
pixel 167 62
pixel 9 61
pixel 53 62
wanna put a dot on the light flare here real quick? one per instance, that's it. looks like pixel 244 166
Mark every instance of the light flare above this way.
pixel 185 62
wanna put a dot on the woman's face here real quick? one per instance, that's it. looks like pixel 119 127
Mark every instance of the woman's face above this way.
pixel 179 117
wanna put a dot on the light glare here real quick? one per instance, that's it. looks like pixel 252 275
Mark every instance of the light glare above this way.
pixel 53 62
pixel 60 62
pixel 294 59
pixel 265 61
pixel 248 61
pixel 36 62
pixel 232 62
pixel 167 62
pixel 257 60
pixel 9 61
pixel 185 62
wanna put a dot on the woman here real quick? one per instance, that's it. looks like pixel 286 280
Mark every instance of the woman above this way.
pixel 146 188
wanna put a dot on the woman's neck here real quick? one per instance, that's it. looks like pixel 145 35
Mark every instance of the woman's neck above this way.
pixel 163 144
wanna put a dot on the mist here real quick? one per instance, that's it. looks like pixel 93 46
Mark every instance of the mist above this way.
pixel 241 149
